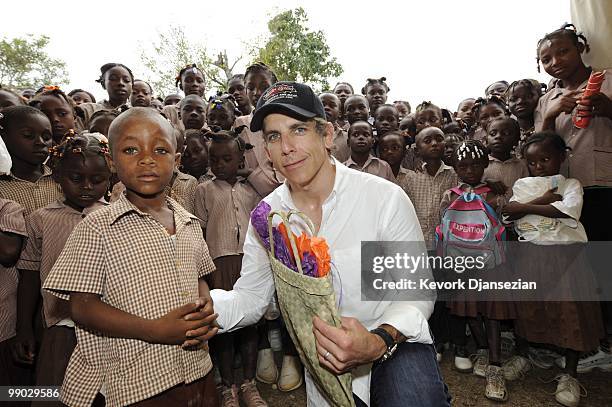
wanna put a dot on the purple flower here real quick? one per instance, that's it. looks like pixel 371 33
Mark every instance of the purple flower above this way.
pixel 281 251
pixel 309 265
pixel 259 220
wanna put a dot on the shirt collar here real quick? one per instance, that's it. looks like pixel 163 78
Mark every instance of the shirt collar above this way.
pixel 350 161
pixel 443 167
pixel 123 206
pixel 46 173
pixel 512 159
pixel 60 204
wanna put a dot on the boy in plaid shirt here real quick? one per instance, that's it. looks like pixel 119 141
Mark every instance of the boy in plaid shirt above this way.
pixel 133 273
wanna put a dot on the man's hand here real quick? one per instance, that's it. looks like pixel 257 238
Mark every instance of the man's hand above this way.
pixel 351 345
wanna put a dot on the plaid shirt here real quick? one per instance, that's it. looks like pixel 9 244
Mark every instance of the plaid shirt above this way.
pixel 131 261
pixel 224 211
pixel 182 190
pixel 48 230
pixel 341 150
pixel 30 195
pixel 373 165
pixel 11 221
pixel 508 172
pixel 426 193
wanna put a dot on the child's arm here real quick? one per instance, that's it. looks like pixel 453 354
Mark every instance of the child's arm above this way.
pixel 538 206
pixel 91 312
pixel 10 247
pixel 28 294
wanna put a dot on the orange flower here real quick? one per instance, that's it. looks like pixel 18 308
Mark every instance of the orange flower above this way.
pixel 303 244
pixel 283 231
pixel 320 250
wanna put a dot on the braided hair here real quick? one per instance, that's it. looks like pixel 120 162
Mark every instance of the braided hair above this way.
pixel 223 101
pixel 492 99
pixel 260 67
pixel 371 82
pixel 50 91
pixel 106 67
pixel 473 149
pixel 534 86
pixel 188 68
pixel 551 138
pixel 568 30
pixel 78 144
pixel 216 135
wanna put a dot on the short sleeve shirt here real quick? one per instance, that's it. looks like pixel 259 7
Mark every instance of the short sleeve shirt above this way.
pixel 374 166
pixel 30 195
pixel 130 260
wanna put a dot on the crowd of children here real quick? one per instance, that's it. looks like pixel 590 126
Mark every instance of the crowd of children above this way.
pixel 111 300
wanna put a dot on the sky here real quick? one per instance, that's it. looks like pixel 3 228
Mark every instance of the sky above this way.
pixel 436 50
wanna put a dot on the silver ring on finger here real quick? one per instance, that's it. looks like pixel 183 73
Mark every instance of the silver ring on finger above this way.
pixel 326 356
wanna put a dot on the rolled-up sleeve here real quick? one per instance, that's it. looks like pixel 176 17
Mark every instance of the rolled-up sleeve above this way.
pixel 252 293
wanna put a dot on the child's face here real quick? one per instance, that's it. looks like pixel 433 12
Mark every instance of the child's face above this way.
pixel 157 105
pixel 402 110
pixel 81 97
pixel 60 115
pixel 221 117
pixel 429 143
pixel 488 113
pixel 464 111
pixel 560 57
pixel 522 101
pixel 256 83
pixel 7 99
pixel 237 89
pixel 497 89
pixel 391 149
pixel 449 148
pixel 100 124
pixel 144 163
pixel 118 83
pixel 501 138
pixel 356 108
pixel 171 100
pixel 360 138
pixel 83 181
pixel 225 160
pixel 470 170
pixel 543 160
pixel 193 113
pixel 141 95
pixel 28 94
pixel 406 127
pixel 429 117
pixel 331 103
pixel 343 92
pixel 386 119
pixel 195 158
pixel 29 141
pixel 376 95
pixel 193 83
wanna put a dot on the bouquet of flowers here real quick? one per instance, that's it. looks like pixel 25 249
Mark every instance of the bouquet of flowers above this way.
pixel 301 268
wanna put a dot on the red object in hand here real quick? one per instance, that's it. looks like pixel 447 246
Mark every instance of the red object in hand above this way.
pixel 582 117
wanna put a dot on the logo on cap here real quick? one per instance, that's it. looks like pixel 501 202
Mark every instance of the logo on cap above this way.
pixel 281 91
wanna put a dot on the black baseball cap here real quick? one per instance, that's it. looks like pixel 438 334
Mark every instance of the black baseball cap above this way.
pixel 289 98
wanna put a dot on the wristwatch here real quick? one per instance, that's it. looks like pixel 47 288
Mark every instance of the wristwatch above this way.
pixel 389 341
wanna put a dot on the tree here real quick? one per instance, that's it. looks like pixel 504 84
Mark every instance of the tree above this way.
pixel 24 63
pixel 173 52
pixel 297 54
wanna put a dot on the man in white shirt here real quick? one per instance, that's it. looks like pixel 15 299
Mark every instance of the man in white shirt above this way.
pixel 346 207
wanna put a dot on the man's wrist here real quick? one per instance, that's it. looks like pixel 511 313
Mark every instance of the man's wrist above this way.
pixel 379 347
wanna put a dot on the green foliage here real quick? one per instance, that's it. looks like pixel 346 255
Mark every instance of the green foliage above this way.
pixel 297 54
pixel 173 52
pixel 24 63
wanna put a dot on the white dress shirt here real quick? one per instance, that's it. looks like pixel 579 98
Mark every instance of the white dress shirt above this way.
pixel 361 207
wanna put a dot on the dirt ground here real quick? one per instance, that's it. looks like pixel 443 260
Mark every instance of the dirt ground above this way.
pixel 468 390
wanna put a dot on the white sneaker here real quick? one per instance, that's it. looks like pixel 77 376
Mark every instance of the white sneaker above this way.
pixel 596 360
pixel 480 361
pixel 463 363
pixel 267 372
pixel 438 357
pixel 291 374
pixel 569 390
pixel 496 384
pixel 516 367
